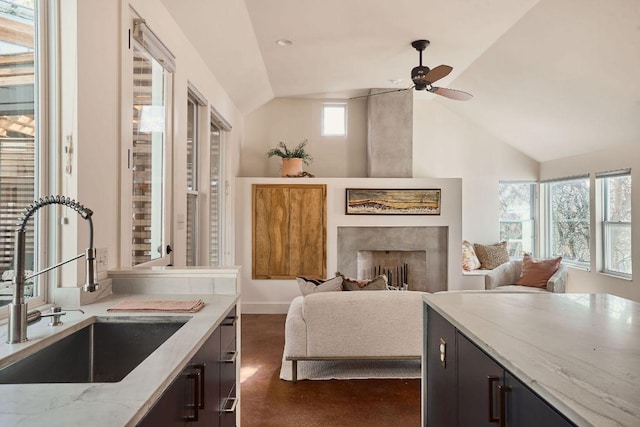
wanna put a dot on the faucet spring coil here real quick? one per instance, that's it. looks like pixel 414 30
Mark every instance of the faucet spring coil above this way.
pixel 85 213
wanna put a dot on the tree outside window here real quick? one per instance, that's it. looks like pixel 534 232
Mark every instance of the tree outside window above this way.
pixel 569 220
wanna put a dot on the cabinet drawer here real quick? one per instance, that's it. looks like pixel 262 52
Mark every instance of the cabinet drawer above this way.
pixel 228 331
pixel 228 409
pixel 228 364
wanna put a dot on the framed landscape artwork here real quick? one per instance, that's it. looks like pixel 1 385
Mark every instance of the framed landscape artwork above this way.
pixel 410 201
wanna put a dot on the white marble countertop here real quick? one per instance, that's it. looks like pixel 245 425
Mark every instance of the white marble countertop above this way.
pixel 580 352
pixel 106 404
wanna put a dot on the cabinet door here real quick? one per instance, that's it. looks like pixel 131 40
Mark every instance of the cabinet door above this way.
pixel 170 410
pixel 205 364
pixel 478 379
pixel 524 408
pixel 289 231
pixel 440 355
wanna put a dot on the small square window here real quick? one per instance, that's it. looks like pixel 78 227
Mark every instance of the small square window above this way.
pixel 334 120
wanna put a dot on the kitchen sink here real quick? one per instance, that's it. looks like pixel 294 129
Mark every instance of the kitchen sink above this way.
pixel 103 351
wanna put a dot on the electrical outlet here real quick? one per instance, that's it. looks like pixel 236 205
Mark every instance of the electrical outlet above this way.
pixel 102 260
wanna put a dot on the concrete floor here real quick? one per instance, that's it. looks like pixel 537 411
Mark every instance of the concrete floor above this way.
pixel 268 401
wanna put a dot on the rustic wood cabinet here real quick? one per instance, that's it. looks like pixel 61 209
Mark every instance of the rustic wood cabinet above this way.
pixel 289 231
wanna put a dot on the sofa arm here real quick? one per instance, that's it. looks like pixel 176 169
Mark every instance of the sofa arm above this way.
pixel 558 282
pixel 295 330
pixel 505 274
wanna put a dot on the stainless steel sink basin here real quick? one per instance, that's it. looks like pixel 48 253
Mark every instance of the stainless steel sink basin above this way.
pixel 104 351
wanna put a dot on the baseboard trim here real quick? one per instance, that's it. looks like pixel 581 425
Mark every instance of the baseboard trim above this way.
pixel 265 308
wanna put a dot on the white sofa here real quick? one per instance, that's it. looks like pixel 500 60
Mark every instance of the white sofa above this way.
pixel 354 325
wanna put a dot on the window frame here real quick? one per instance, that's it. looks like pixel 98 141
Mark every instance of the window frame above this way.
pixel 198 104
pixel 548 222
pixel 217 123
pixel 140 36
pixel 343 106
pixel 46 165
pixel 602 183
pixel 533 217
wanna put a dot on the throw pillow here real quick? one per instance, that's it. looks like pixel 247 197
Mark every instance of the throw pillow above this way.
pixel 309 286
pixel 378 283
pixel 491 256
pixel 536 272
pixel 469 259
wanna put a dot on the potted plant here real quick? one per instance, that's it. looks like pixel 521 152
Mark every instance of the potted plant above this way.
pixel 292 159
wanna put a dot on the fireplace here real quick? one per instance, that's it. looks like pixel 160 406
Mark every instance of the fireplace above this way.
pixel 422 249
pixel 404 269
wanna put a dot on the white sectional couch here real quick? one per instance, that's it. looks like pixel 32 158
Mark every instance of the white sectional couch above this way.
pixel 354 325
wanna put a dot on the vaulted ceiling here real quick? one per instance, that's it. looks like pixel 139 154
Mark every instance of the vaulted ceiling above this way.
pixel 552 78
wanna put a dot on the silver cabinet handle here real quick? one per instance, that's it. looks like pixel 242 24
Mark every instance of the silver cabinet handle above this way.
pixel 230 357
pixel 232 408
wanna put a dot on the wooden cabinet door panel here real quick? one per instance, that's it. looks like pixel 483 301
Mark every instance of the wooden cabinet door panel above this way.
pixel 271 231
pixel 289 231
pixel 307 231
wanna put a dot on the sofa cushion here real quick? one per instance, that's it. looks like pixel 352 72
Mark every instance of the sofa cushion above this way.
pixel 352 324
pixel 536 272
pixel 492 256
pixel 470 260
pixel 310 286
pixel 378 283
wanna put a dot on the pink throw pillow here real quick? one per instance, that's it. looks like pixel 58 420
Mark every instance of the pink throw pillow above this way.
pixel 536 272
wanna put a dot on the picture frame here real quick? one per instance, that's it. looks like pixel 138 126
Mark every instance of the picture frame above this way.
pixel 392 201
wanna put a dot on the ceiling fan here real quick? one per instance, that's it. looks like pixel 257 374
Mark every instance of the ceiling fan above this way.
pixel 424 77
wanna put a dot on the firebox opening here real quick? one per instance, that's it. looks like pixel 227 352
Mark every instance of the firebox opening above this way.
pixel 404 269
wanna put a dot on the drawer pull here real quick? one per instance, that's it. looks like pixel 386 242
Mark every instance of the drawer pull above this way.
pixel 491 380
pixel 196 391
pixel 230 357
pixel 232 408
pixel 229 321
pixel 503 404
pixel 200 367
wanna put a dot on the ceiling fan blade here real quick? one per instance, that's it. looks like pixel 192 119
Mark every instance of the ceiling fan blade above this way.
pixel 437 73
pixel 451 93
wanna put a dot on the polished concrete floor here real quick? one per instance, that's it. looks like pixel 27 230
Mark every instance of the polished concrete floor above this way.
pixel 266 400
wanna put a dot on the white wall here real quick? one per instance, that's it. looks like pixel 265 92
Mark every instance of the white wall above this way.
pixel 292 120
pixel 274 296
pixel 446 145
pixel 91 114
pixel 624 156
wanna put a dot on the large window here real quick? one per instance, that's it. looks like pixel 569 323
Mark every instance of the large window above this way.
pixel 22 120
pixel 616 222
pixel 218 127
pixel 194 105
pixel 215 196
pixel 517 216
pixel 152 115
pixel 568 220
